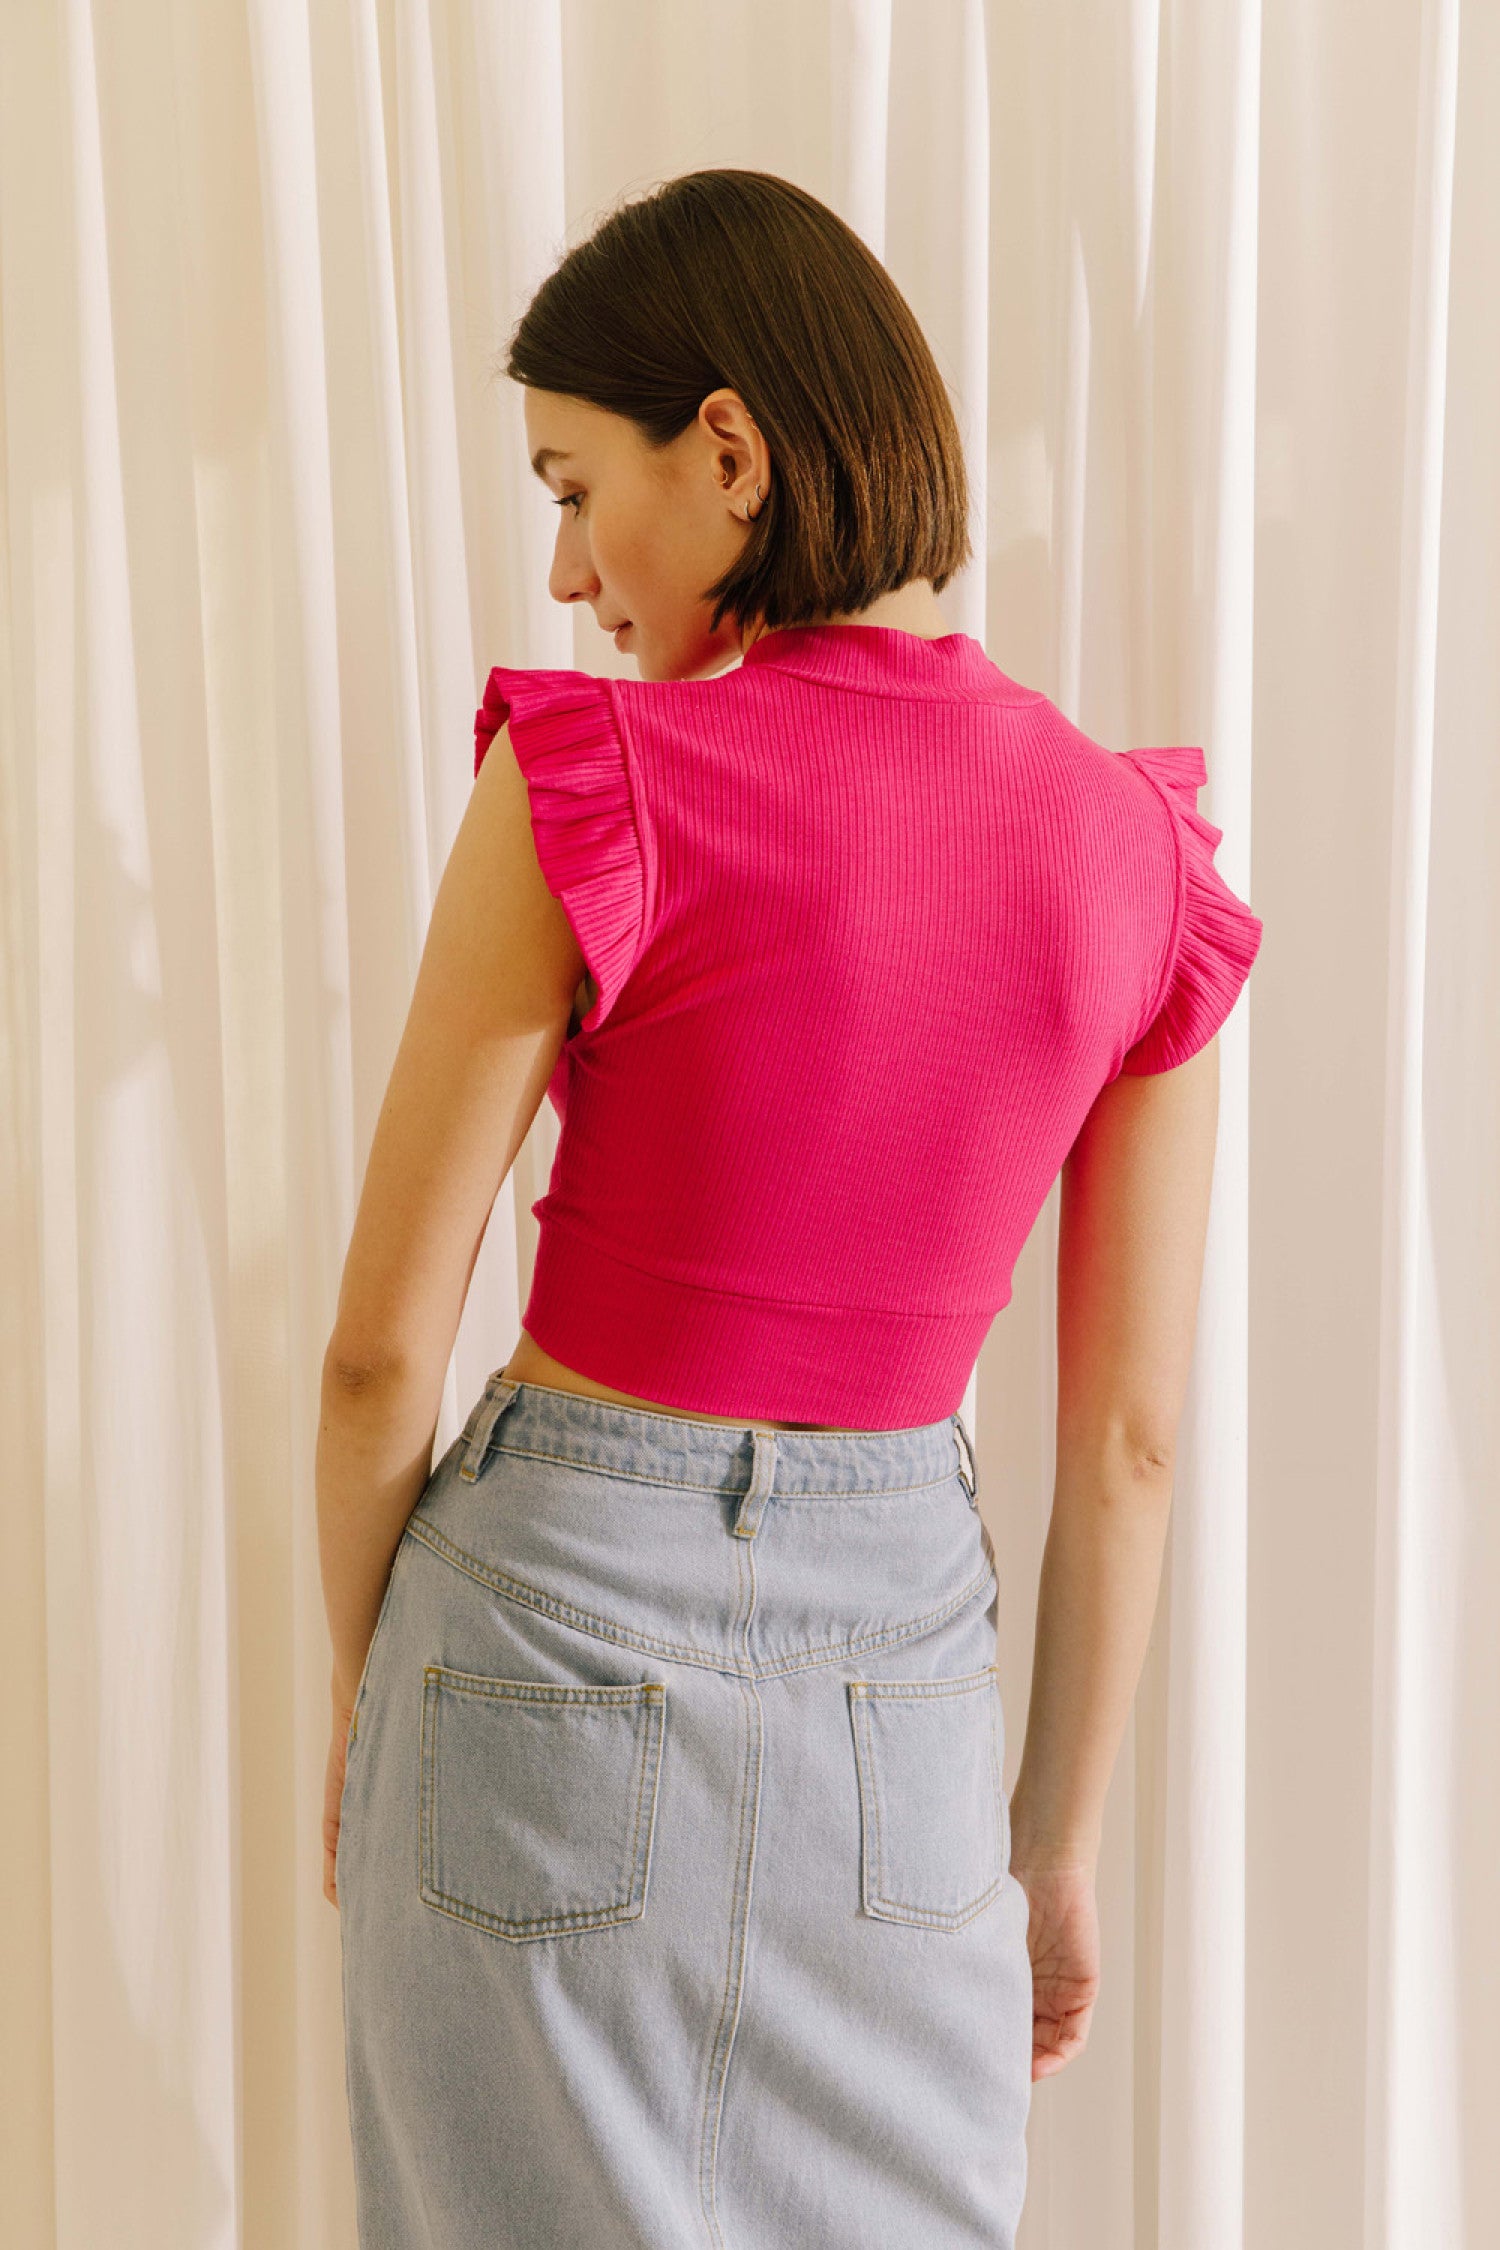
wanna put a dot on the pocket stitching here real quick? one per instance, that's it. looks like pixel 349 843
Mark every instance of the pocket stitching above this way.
pixel 649 1699
pixel 873 1890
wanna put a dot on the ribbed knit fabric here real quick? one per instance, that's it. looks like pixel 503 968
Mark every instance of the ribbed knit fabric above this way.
pixel 871 925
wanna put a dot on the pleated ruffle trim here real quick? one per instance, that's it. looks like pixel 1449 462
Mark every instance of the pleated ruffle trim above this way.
pixel 1217 936
pixel 567 743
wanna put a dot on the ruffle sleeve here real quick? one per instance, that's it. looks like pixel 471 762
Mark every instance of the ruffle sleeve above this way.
pixel 1215 937
pixel 589 842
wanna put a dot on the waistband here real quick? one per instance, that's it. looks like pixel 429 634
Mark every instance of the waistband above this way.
pixel 713 1456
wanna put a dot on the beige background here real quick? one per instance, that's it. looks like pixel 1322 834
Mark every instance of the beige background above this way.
pixel 1216 288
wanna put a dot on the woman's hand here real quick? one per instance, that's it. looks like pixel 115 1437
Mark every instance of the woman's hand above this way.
pixel 1062 1937
pixel 333 1795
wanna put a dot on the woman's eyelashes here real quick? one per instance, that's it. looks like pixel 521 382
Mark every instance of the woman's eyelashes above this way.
pixel 567 500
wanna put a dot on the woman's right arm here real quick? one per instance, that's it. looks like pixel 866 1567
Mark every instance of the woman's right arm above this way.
pixel 1132 1227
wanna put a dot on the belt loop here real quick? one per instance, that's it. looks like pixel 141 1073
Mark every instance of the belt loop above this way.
pixel 762 1477
pixel 971 1481
pixel 497 1400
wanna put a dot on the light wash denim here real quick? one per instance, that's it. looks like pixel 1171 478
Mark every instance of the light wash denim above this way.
pixel 676 1902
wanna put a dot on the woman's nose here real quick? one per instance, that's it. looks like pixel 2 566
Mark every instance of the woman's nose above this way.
pixel 572 578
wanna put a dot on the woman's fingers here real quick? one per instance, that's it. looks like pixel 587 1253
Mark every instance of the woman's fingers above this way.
pixel 333 1798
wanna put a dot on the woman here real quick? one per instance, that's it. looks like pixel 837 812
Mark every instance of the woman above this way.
pixel 682 1901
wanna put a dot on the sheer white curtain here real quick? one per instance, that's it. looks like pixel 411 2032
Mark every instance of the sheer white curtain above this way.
pixel 1216 289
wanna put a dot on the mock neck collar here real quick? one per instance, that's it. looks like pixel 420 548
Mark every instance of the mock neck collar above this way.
pixel 883 658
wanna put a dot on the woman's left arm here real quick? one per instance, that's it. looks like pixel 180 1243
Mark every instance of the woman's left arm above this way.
pixel 488 1016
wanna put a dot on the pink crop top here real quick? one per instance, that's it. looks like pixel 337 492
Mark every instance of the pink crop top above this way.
pixel 870 925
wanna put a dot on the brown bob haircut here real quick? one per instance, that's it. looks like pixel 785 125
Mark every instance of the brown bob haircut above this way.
pixel 740 279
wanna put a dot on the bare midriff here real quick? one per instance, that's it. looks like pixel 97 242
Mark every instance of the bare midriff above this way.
pixel 528 1363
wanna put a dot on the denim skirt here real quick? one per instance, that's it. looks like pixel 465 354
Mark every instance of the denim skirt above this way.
pixel 674 1869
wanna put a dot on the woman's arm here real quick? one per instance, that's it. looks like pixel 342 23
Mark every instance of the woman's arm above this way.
pixel 1133 1223
pixel 500 966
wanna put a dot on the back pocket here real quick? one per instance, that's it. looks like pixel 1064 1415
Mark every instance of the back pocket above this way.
pixel 538 1801
pixel 936 1827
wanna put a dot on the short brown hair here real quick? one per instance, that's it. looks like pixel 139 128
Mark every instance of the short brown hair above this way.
pixel 742 279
